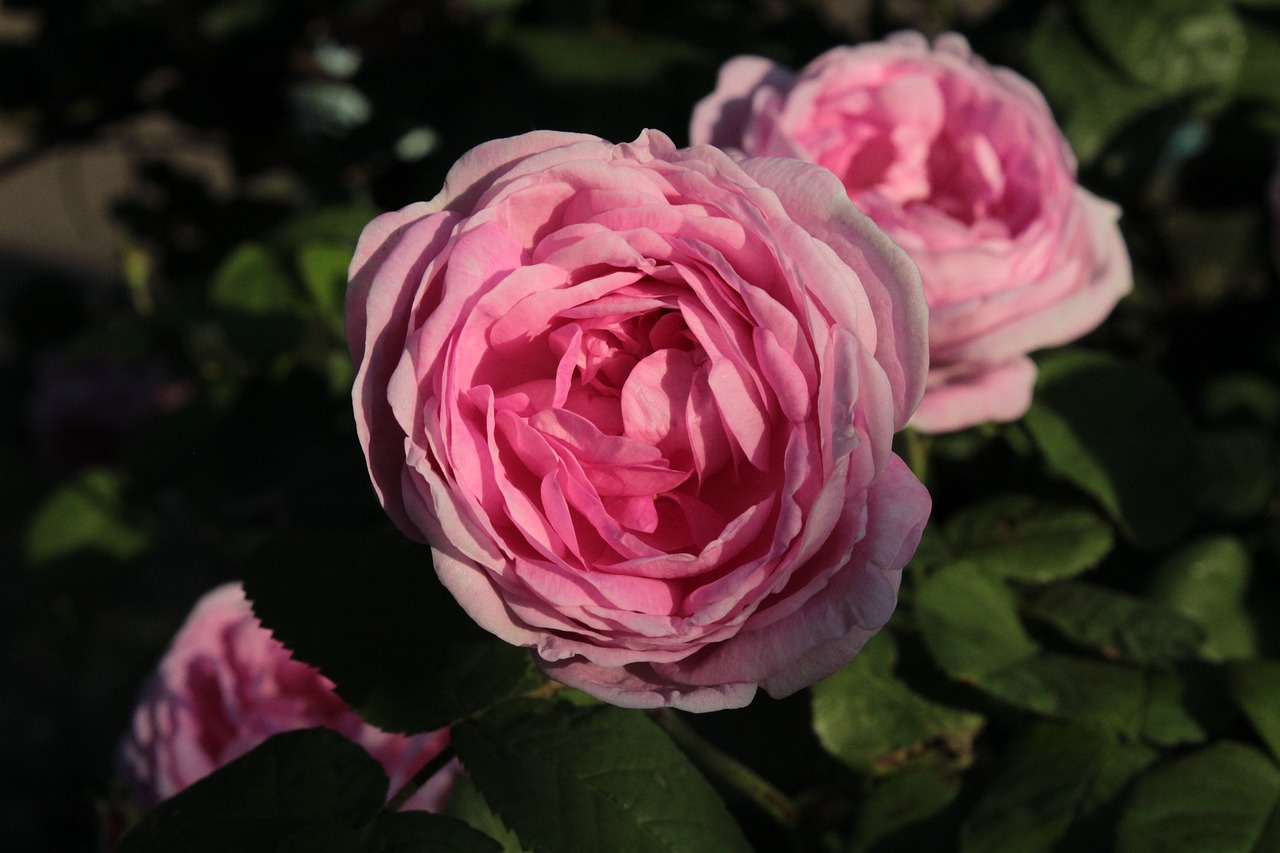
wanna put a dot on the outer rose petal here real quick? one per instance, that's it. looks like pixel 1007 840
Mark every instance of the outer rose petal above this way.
pixel 640 402
pixel 224 686
pixel 963 166
pixel 1001 392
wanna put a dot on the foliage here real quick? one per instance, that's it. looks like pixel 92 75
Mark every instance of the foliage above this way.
pixel 1082 658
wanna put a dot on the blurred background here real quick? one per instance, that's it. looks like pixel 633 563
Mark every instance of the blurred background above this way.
pixel 182 182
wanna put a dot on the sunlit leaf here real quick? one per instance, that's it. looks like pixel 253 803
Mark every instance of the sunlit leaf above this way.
pixel 873 722
pixel 1117 624
pixel 1207 581
pixel 969 623
pixel 1023 539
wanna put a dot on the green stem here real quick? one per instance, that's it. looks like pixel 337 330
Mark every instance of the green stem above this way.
pixel 728 769
pixel 917 448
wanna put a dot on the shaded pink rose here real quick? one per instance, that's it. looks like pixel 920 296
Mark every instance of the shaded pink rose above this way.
pixel 640 402
pixel 224 686
pixel 962 164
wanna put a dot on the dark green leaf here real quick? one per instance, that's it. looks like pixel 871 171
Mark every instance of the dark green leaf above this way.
pixel 873 722
pixel 1017 537
pixel 88 514
pixel 1260 71
pixel 1220 799
pixel 1238 472
pixel 323 269
pixel 420 832
pixel 257 307
pixel 907 797
pixel 292 785
pixel 466 804
pixel 969 623
pixel 1256 687
pixel 1173 45
pixel 1117 624
pixel 1051 777
pixel 367 609
pixel 559 56
pixel 1120 433
pixel 1168 720
pixel 1092 100
pixel 339 226
pixel 1074 688
pixel 599 778
pixel 1207 581
pixel 1247 396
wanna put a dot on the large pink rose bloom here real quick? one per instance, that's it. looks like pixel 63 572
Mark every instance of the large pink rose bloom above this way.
pixel 963 165
pixel 640 401
pixel 224 686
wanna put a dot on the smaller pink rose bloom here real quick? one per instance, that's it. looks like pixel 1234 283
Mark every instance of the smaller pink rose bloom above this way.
pixel 964 167
pixel 224 686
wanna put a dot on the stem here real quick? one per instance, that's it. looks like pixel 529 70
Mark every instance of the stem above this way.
pixel 728 769
pixel 419 779
pixel 917 448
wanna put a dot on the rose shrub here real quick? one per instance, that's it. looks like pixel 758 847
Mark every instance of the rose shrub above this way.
pixel 963 165
pixel 224 686
pixel 640 403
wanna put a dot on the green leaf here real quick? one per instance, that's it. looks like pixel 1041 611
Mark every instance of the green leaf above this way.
pixel 1242 396
pixel 1068 687
pixel 1207 581
pixel 420 832
pixel 596 778
pixel 311 778
pixel 298 792
pixel 873 722
pixel 1168 721
pixel 1052 776
pixel 466 804
pixel 1173 45
pixel 560 56
pixel 969 623
pixel 367 610
pixel 323 269
pixel 87 515
pixel 1120 433
pixel 256 304
pixel 1256 687
pixel 1019 538
pixel 1091 99
pixel 1238 473
pixel 338 225
pixel 907 797
pixel 1259 76
pixel 1220 799
pixel 1118 625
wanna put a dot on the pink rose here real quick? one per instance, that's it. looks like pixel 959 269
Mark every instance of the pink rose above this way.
pixel 640 402
pixel 226 685
pixel 963 165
